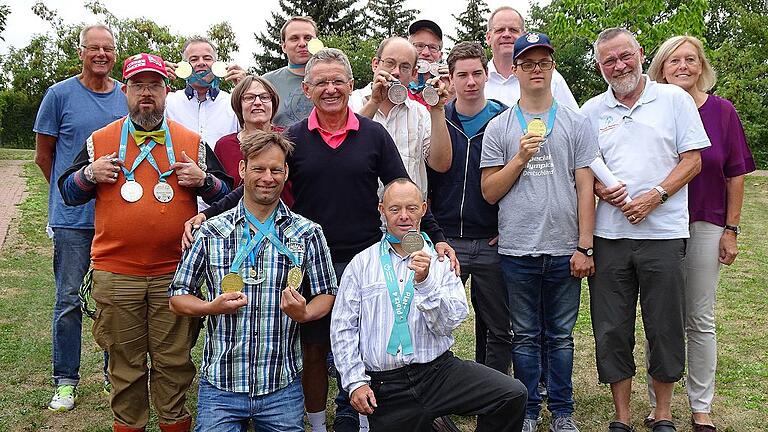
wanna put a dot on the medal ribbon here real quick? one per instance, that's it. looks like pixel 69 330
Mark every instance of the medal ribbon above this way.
pixel 249 244
pixel 199 79
pixel 267 230
pixel 394 240
pixel 401 302
pixel 550 118
pixel 166 139
pixel 146 150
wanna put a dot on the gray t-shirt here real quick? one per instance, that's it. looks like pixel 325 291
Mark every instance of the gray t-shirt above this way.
pixel 539 213
pixel 294 105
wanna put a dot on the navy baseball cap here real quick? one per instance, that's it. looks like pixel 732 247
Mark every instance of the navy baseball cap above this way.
pixel 426 24
pixel 531 40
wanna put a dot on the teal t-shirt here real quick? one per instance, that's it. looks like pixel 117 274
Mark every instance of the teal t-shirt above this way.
pixel 474 123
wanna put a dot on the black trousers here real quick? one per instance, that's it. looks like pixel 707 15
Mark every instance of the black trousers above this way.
pixel 409 398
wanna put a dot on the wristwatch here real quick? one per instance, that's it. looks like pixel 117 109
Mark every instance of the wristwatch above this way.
pixel 586 251
pixel 734 228
pixel 663 193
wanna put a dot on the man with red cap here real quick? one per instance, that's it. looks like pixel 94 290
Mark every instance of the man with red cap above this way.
pixel 144 173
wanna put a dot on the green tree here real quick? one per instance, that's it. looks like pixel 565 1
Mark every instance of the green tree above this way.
pixel 360 52
pixel 5 10
pixel 223 37
pixel 331 16
pixel 472 23
pixel 387 18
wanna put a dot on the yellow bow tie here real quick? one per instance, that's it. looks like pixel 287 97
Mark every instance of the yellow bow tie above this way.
pixel 141 137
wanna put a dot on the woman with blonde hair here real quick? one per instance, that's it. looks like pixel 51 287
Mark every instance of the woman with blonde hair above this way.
pixel 714 203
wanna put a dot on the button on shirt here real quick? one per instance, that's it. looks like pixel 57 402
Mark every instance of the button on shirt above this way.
pixel 641 146
pixel 409 125
pixel 507 90
pixel 212 118
pixel 362 318
pixel 256 350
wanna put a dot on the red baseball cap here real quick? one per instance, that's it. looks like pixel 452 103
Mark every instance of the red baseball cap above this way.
pixel 144 63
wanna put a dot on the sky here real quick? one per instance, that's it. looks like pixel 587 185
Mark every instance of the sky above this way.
pixel 185 18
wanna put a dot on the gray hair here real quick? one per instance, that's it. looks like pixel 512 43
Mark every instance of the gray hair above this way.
pixel 503 8
pixel 88 28
pixel 611 33
pixel 198 39
pixel 328 55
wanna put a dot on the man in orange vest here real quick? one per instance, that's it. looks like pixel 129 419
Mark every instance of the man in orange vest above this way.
pixel 144 172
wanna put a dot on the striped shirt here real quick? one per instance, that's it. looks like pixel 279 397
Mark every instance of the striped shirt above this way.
pixel 362 317
pixel 257 350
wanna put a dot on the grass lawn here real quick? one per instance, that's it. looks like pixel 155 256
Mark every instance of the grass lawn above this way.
pixel 26 298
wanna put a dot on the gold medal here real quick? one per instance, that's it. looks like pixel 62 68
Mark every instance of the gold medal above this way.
pixel 232 282
pixel 183 70
pixel 219 69
pixel 295 276
pixel 412 242
pixel 314 46
pixel 537 127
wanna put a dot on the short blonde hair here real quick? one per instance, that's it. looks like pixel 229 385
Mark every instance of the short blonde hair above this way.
pixel 707 79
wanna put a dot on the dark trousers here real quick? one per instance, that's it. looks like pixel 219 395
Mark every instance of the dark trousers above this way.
pixel 488 293
pixel 411 397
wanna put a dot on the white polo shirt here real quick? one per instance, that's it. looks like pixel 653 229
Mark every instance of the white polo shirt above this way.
pixel 507 90
pixel 641 146
pixel 212 118
pixel 409 125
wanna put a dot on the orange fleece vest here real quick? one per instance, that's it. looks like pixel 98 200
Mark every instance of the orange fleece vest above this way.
pixel 142 238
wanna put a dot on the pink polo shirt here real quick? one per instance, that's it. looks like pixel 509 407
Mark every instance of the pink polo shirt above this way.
pixel 334 139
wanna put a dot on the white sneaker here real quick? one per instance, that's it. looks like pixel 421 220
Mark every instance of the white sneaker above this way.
pixel 529 425
pixel 64 399
pixel 563 424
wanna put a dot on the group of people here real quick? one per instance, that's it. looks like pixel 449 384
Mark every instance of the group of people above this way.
pixel 340 226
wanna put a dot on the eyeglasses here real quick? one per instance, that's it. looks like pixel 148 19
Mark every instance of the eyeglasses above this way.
pixel 251 98
pixel 152 87
pixel 624 57
pixel 336 83
pixel 501 30
pixel 420 47
pixel 93 49
pixel 544 65
pixel 391 64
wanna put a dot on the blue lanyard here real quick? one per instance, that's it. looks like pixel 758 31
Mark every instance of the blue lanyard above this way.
pixel 550 118
pixel 416 88
pixel 401 302
pixel 146 151
pixel 199 79
pixel 267 230
pixel 248 244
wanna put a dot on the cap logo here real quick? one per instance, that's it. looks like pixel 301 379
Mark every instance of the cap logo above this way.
pixel 136 57
pixel 154 60
pixel 532 38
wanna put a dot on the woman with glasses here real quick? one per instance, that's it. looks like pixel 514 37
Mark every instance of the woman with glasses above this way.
pixel 254 100
pixel 714 203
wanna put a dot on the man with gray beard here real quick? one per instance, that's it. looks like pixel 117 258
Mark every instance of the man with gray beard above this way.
pixel 144 173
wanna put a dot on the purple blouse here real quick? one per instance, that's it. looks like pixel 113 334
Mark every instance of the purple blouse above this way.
pixel 728 156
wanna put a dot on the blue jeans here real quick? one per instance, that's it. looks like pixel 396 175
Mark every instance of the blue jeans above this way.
pixel 223 411
pixel 71 258
pixel 539 287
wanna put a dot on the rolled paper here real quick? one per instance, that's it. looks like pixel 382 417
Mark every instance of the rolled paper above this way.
pixel 605 175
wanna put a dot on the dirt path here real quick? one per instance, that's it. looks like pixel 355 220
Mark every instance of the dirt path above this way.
pixel 12 192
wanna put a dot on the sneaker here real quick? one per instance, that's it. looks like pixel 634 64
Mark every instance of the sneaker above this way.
pixel 106 388
pixel 529 425
pixel 563 424
pixel 64 399
pixel 542 389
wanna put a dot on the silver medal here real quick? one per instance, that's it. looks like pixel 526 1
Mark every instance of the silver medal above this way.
pixel 412 242
pixel 422 66
pixel 434 69
pixel 163 192
pixel 430 95
pixel 397 93
pixel 131 191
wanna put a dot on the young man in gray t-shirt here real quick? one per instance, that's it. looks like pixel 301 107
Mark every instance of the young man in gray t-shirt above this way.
pixel 535 164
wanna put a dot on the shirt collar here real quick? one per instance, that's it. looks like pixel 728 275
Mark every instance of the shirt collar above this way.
pixel 225 226
pixel 352 122
pixel 649 94
pixel 212 93
pixel 494 74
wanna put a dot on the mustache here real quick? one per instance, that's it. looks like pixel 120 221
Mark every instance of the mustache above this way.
pixel 147 119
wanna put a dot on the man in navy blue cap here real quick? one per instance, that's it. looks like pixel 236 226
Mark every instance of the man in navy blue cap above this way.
pixel 535 165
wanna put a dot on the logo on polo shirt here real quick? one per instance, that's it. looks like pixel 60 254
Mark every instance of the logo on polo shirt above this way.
pixel 606 123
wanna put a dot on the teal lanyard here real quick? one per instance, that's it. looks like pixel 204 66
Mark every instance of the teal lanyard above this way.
pixel 550 118
pixel 401 302
pixel 146 152
pixel 248 244
pixel 267 230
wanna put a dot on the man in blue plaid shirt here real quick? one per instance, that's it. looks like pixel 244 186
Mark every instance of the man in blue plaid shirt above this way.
pixel 253 259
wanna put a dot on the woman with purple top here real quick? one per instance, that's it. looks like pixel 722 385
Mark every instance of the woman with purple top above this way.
pixel 714 202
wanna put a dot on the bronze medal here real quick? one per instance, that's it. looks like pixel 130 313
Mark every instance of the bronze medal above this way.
pixel 295 276
pixel 131 191
pixel 430 95
pixel 232 282
pixel 537 127
pixel 163 192
pixel 412 242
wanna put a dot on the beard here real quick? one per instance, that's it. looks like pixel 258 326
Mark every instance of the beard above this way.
pixel 147 119
pixel 624 85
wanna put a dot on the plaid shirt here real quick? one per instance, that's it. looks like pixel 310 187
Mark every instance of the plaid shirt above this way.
pixel 257 350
